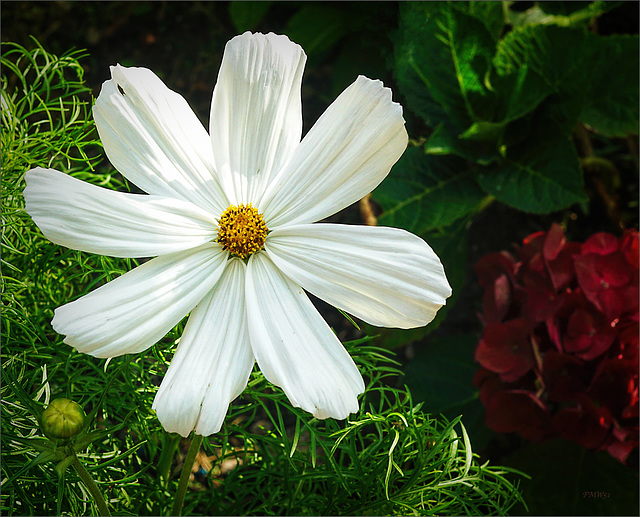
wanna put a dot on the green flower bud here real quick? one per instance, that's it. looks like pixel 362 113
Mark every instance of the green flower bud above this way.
pixel 62 419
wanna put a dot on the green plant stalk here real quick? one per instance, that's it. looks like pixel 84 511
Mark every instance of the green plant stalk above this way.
pixel 599 164
pixel 176 509
pixel 91 485
pixel 170 443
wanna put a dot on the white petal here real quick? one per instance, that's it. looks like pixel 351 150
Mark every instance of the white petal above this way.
pixel 345 155
pixel 212 363
pixel 132 312
pixel 154 139
pixel 86 217
pixel 256 112
pixel 384 276
pixel 294 346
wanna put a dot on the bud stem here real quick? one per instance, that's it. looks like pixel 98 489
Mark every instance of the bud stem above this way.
pixel 176 509
pixel 91 486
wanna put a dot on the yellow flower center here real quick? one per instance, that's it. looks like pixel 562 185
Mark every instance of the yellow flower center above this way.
pixel 242 230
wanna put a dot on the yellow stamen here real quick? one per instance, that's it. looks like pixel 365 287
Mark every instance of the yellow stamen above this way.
pixel 242 230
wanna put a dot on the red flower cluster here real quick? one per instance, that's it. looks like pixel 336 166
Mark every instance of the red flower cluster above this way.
pixel 559 352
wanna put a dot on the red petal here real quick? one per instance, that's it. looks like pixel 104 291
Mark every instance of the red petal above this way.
pixel 564 376
pixel 553 242
pixel 554 333
pixel 492 266
pixel 615 270
pixel 601 243
pixel 629 247
pixel 497 300
pixel 488 382
pixel 505 349
pixel 620 450
pixel 613 385
pixel 588 334
pixel 562 269
pixel 534 239
pixel 589 277
pixel 616 302
pixel 581 427
pixel 520 412
pixel 541 302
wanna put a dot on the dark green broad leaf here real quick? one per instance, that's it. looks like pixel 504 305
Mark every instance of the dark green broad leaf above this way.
pixel 318 26
pixel 444 63
pixel 561 56
pixel 612 108
pixel 424 193
pixel 442 57
pixel 367 48
pixel 540 176
pixel 521 90
pixel 574 13
pixel 563 8
pixel 562 14
pixel 246 16
pixel 353 50
pixel 567 479
pixel 450 244
pixel 441 376
pixel 443 141
pixel 491 14
pixel 592 77
pixel 484 131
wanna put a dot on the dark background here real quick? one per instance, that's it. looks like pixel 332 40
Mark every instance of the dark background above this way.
pixel 183 42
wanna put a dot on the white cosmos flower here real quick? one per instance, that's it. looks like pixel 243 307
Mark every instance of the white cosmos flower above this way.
pixel 231 217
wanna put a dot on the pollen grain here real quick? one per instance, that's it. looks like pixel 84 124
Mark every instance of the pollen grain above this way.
pixel 242 230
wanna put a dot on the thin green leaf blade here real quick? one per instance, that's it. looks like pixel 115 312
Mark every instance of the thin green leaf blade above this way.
pixel 424 193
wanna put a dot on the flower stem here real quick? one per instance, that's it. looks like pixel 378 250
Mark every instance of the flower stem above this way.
pixel 170 442
pixel 176 509
pixel 91 485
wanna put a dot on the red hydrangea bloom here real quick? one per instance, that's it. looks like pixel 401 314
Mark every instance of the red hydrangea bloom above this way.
pixel 609 281
pixel 559 352
pixel 520 411
pixel 504 349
